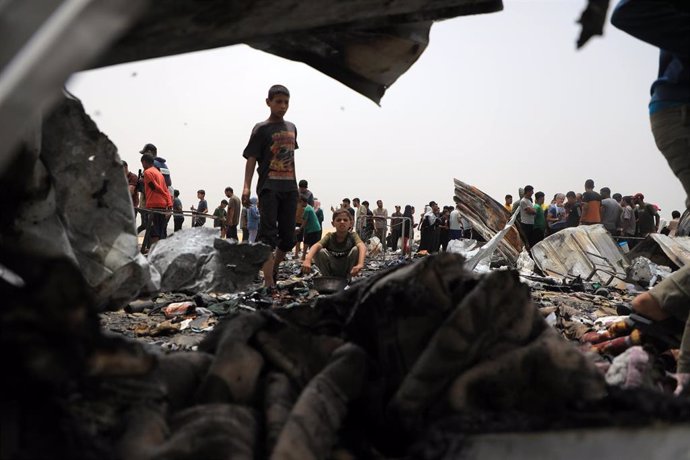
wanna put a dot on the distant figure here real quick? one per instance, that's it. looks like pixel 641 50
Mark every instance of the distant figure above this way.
pixel 429 228
pixel 628 224
pixel 360 215
pixel 380 222
pixel 673 225
pixel 303 187
pixel 591 205
pixel 572 209
pixel 319 215
pixel 220 217
pixel 253 218
pixel 509 203
pixel 157 198
pixel 455 223
pixel 234 213
pixel 610 212
pixel 178 217
pixel 340 253
pixel 272 146
pixel 244 223
pixel 527 213
pixel 367 222
pixel 161 165
pixel 408 226
pixel 556 214
pixel 443 228
pixel 647 217
pixel 202 208
pixel 311 229
pixel 396 228
pixel 539 218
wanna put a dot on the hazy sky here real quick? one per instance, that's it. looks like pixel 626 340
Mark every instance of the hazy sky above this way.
pixel 498 100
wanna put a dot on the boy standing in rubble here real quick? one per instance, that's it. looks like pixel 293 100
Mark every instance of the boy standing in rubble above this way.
pixel 666 25
pixel 272 147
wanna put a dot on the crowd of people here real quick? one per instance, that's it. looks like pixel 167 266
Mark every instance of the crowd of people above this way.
pixel 629 218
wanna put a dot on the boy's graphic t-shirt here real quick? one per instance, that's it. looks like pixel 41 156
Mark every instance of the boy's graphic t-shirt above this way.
pixel 273 145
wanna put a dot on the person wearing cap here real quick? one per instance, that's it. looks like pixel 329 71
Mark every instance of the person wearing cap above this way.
pixel 161 165
pixel 666 25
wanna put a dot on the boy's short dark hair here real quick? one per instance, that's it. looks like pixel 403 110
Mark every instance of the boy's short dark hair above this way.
pixel 202 191
pixel 229 189
pixel 223 201
pixel 345 212
pixel 675 214
pixel 570 194
pixel 275 90
pixel 124 163
pixel 176 193
pixel 538 195
pixel 365 203
pixel 355 199
pixel 346 200
pixel 605 191
pixel 509 196
pixel 528 188
pixel 589 183
pixel 303 183
pixel 147 158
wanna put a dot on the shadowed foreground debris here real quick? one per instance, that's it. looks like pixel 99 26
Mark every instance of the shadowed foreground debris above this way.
pixel 379 370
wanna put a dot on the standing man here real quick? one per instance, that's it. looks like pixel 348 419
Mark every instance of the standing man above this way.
pixel 455 224
pixel 666 25
pixel 610 212
pixel 591 205
pixel 380 222
pixel 527 214
pixel 361 213
pixel 178 217
pixel 234 213
pixel 157 199
pixel 396 227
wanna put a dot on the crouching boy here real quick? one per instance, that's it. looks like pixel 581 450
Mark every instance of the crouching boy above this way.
pixel 340 253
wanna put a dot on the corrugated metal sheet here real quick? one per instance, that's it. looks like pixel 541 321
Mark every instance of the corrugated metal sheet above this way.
pixel 658 248
pixel 488 217
pixel 587 251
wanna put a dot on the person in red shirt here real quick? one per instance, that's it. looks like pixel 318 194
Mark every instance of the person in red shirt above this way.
pixel 157 198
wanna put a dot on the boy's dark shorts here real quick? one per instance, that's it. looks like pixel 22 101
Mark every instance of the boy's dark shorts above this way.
pixel 277 223
pixel 158 223
pixel 312 238
pixel 299 234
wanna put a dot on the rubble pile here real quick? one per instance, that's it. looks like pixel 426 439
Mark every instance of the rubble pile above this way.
pixel 378 370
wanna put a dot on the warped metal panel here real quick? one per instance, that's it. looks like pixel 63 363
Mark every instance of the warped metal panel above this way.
pixel 662 248
pixel 587 251
pixel 488 217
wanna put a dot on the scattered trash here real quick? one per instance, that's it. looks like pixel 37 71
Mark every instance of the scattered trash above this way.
pixel 646 273
pixel 178 308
